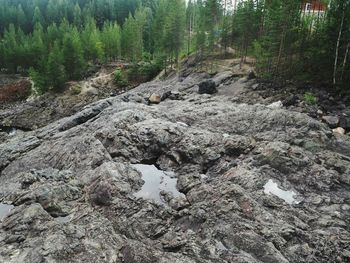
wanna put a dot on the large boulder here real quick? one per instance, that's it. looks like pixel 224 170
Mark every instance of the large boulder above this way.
pixel 207 87
pixel 344 121
pixel 155 98
pixel 332 121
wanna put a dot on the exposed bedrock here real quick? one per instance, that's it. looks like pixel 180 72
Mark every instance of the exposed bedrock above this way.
pixel 257 183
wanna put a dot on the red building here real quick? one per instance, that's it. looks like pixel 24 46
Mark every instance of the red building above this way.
pixel 314 6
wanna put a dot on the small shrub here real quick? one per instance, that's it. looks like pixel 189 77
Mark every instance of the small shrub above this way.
pixel 309 98
pixel 119 78
pixel 40 82
pixel 75 90
pixel 15 91
pixel 150 70
pixel 147 56
pixel 133 72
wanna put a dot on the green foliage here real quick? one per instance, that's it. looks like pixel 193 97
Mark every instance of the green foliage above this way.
pixel 169 29
pixel 56 73
pixel 111 39
pixel 150 70
pixel 310 99
pixel 120 79
pixel 291 43
pixel 75 90
pixel 40 82
pixel 58 39
pixel 132 36
pixel 73 55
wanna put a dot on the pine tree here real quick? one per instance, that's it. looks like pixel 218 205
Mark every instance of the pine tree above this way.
pixel 21 19
pixel 77 16
pixel 132 36
pixel 93 46
pixel 40 81
pixel 10 47
pixel 37 17
pixel 37 46
pixel 111 39
pixel 55 70
pixel 73 59
pixel 169 29
pixel 174 29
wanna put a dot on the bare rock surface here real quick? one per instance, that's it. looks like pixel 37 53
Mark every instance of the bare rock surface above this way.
pixel 73 183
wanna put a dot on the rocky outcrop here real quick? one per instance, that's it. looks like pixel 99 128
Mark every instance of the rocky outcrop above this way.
pixel 73 183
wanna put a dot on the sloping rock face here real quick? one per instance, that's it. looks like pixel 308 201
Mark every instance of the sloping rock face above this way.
pixel 73 183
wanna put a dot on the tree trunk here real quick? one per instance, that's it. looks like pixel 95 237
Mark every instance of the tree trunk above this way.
pixel 337 50
pixel 345 60
pixel 281 47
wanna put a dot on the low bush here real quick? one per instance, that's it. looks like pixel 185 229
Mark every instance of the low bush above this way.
pixel 15 91
pixel 310 99
pixel 75 90
pixel 120 79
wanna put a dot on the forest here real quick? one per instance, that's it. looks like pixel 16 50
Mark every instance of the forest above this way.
pixel 54 41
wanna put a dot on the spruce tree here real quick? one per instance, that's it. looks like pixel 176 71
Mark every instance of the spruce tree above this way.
pixel 73 59
pixel 111 39
pixel 37 17
pixel 55 70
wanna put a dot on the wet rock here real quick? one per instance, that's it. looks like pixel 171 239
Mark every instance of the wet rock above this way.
pixel 207 87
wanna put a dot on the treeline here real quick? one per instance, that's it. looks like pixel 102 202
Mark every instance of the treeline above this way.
pixel 56 40
pixel 293 41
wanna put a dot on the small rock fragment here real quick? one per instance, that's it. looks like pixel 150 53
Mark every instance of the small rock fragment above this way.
pixel 154 98
pixel 251 75
pixel 275 105
pixel 339 130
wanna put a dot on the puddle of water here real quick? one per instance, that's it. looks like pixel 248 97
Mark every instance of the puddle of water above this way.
pixel 288 196
pixel 5 210
pixel 9 130
pixel 155 182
